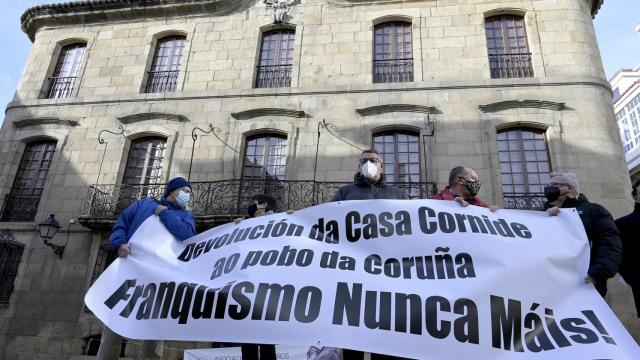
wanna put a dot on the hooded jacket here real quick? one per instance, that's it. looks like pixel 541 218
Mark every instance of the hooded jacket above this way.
pixel 362 189
pixel 604 238
pixel 177 220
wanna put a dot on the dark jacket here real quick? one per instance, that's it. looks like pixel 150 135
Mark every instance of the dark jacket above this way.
pixel 629 227
pixel 177 220
pixel 446 194
pixel 362 189
pixel 606 248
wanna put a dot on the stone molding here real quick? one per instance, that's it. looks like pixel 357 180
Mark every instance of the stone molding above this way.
pixel 130 119
pixel 44 121
pixel 387 108
pixel 253 113
pixel 518 104
pixel 82 12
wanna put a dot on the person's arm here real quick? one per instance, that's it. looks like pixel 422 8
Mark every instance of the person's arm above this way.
pixel 338 196
pixel 608 252
pixel 182 227
pixel 119 233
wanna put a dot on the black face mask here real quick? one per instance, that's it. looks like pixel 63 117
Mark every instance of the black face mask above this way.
pixel 472 186
pixel 552 193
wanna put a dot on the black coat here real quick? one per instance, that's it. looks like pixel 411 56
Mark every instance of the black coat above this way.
pixel 629 227
pixel 362 189
pixel 604 238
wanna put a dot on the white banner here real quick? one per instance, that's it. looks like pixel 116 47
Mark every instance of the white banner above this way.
pixel 421 279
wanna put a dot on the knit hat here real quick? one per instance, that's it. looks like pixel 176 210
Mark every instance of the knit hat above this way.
pixel 176 183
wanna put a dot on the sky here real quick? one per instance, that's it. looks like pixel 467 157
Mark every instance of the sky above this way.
pixel 615 28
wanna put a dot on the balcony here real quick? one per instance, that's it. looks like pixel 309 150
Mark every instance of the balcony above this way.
pixel 528 201
pixel 162 81
pixel 19 208
pixel 273 76
pixel 60 87
pixel 389 71
pixel 505 66
pixel 217 202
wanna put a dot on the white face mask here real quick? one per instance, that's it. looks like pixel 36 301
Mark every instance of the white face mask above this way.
pixel 369 170
pixel 183 198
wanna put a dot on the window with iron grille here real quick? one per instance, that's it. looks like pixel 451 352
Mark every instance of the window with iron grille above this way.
pixel 509 55
pixel 276 59
pixel 393 52
pixel 524 166
pixel 143 171
pixel 265 157
pixel 165 68
pixel 10 256
pixel 400 152
pixel 63 80
pixel 21 204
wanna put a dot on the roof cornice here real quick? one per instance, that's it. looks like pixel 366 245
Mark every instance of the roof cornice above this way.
pixel 80 12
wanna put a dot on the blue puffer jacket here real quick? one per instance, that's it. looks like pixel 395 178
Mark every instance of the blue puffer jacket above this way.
pixel 178 221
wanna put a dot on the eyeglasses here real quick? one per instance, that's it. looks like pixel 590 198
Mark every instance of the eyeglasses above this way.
pixel 560 185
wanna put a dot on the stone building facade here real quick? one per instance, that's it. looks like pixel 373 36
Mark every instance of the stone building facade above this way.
pixel 281 97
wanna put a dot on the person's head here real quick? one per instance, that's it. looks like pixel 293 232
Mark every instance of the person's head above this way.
pixel 562 186
pixel 635 191
pixel 178 191
pixel 370 165
pixel 262 205
pixel 464 181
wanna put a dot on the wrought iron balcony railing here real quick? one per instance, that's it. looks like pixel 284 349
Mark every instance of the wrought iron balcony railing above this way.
pixel 397 70
pixel 228 197
pixel 162 81
pixel 273 76
pixel 528 201
pixel 61 87
pixel 19 208
pixel 510 66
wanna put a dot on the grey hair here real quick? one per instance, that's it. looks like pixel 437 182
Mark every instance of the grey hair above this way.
pixel 455 172
pixel 570 178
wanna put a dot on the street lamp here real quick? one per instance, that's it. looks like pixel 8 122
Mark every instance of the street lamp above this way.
pixel 48 229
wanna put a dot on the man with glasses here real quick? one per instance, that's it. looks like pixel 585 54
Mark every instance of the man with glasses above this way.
pixel 606 249
pixel 463 188
pixel 369 182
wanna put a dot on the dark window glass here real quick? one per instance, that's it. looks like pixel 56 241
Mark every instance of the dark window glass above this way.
pixel 21 204
pixel 400 152
pixel 143 172
pixel 393 52
pixel 62 82
pixel 265 157
pixel 509 55
pixel 10 256
pixel 276 59
pixel 524 167
pixel 165 69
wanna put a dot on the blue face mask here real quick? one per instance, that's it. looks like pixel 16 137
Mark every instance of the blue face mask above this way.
pixel 183 198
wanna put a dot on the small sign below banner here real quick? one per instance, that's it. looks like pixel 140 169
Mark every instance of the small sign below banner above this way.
pixel 420 279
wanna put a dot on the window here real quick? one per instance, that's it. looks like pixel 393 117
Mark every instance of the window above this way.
pixel 62 82
pixel 265 157
pixel 509 55
pixel 629 124
pixel 524 166
pixel 143 172
pixel 393 52
pixel 276 59
pixel 10 256
pixel 400 153
pixel 21 204
pixel 165 69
